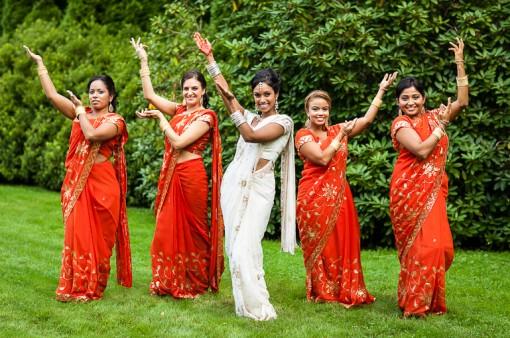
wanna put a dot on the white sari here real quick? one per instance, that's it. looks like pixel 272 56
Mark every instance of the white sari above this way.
pixel 247 197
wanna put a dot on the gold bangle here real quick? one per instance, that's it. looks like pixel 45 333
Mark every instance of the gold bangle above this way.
pixel 462 81
pixel 376 102
pixel 438 133
pixel 459 61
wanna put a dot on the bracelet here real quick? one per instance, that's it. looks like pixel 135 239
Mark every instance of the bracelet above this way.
pixel 237 118
pixel 164 130
pixel 79 111
pixel 213 69
pixel 462 81
pixel 144 71
pixel 438 133
pixel 335 144
pixel 459 61
pixel 376 102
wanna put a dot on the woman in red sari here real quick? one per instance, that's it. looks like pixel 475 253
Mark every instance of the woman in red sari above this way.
pixel 418 191
pixel 326 215
pixel 187 253
pixel 93 192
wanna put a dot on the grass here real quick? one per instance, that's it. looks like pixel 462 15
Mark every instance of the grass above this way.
pixel 478 290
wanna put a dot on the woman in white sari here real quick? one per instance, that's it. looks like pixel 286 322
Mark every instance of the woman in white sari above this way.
pixel 248 187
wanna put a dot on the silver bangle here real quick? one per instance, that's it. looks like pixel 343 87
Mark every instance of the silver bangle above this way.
pixel 213 69
pixel 237 118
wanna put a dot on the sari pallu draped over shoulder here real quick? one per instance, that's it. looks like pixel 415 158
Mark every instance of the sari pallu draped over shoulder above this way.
pixel 180 122
pixel 86 260
pixel 423 239
pixel 329 228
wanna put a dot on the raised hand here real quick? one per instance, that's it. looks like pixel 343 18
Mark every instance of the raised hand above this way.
pixel 443 115
pixel 139 48
pixel 387 80
pixel 203 44
pixel 458 49
pixel 74 99
pixel 36 58
pixel 348 126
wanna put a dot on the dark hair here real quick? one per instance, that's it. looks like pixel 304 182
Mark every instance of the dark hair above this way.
pixel 108 82
pixel 195 74
pixel 267 76
pixel 409 82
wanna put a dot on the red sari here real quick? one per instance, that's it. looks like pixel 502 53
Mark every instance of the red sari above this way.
pixel 328 227
pixel 418 191
pixel 93 199
pixel 187 254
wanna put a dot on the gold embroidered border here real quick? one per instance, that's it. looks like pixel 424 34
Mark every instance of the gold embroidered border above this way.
pixel 428 206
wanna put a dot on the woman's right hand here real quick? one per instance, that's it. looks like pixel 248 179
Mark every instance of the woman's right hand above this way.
pixel 203 44
pixel 36 58
pixel 149 114
pixel 139 48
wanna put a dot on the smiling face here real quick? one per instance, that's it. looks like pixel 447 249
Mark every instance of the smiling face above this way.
pixel 318 112
pixel 265 98
pixel 192 92
pixel 411 102
pixel 99 96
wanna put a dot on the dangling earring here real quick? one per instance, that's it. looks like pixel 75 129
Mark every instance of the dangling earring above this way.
pixel 307 122
pixel 276 106
pixel 399 112
pixel 110 107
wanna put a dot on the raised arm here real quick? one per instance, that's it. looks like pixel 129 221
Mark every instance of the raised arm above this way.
pixel 164 105
pixel 410 139
pixel 102 133
pixel 192 133
pixel 462 80
pixel 62 103
pixel 313 152
pixel 365 121
pixel 205 47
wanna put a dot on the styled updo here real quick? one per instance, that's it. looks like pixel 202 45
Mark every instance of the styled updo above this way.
pixel 110 85
pixel 195 74
pixel 267 76
pixel 317 94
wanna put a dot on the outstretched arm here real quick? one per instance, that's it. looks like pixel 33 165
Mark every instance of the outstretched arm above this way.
pixel 164 105
pixel 62 103
pixel 462 81
pixel 205 47
pixel 365 121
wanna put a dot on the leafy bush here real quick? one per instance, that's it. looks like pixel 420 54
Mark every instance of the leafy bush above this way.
pixel 342 47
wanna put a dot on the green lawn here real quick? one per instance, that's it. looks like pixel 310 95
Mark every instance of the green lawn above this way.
pixel 478 290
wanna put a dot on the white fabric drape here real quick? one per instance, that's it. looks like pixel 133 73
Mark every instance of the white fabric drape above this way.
pixel 247 197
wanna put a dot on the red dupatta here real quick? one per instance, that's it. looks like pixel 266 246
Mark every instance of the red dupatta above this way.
pixel 180 122
pixel 319 205
pixel 80 158
pixel 415 183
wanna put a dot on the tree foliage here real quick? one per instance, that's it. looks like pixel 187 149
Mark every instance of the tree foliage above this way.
pixel 343 47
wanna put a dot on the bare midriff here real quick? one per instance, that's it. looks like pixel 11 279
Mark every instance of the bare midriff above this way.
pixel 186 156
pixel 261 163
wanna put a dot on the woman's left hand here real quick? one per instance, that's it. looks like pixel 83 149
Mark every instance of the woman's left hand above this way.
pixel 387 80
pixel 458 49
pixel 74 99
